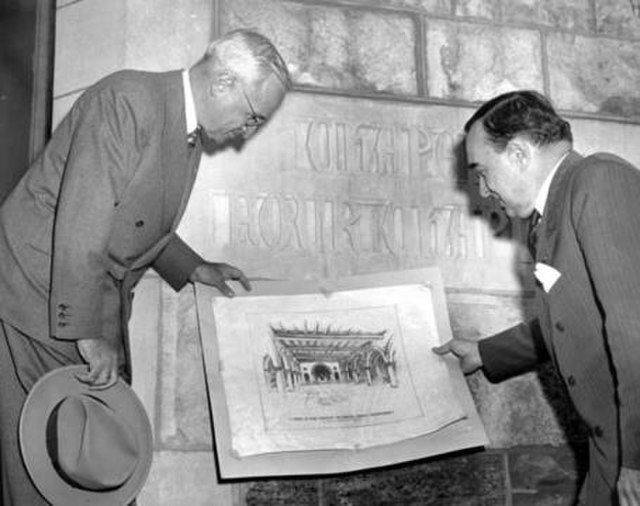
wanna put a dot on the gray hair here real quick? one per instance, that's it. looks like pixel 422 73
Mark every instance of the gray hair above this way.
pixel 248 55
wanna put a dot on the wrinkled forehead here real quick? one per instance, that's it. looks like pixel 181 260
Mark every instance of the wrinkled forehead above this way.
pixel 476 135
pixel 481 153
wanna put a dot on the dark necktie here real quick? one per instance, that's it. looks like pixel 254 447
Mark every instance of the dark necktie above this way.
pixel 193 136
pixel 532 236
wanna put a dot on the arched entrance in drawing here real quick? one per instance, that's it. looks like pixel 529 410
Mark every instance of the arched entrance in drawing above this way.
pixel 321 373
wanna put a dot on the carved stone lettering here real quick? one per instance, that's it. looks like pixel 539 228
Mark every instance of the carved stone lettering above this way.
pixel 327 146
pixel 334 185
pixel 321 224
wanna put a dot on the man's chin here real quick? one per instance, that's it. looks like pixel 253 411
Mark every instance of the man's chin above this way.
pixel 227 137
pixel 217 142
pixel 214 137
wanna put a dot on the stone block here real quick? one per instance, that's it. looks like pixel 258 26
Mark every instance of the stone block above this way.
pixel 483 9
pixel 618 18
pixel 144 344
pixel 595 75
pixel 61 106
pixel 474 478
pixel 179 478
pixel 544 469
pixel 531 409
pixel 440 7
pixel 546 475
pixel 572 15
pixel 300 492
pixel 477 61
pixel 621 138
pixel 348 49
pixel 184 422
pixel 167 34
pixel 544 499
pixel 90 43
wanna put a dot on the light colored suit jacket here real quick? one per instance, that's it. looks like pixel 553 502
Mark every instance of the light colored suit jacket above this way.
pixel 589 324
pixel 97 208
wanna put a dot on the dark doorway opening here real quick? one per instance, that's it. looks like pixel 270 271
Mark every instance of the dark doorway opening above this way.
pixel 26 81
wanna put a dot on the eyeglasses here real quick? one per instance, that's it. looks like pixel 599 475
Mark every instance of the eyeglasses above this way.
pixel 254 120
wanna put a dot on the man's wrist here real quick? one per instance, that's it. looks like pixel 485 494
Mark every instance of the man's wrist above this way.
pixel 195 276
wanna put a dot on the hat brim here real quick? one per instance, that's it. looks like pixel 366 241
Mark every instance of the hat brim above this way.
pixel 45 395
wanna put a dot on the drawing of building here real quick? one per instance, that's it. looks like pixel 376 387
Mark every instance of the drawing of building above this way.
pixel 316 356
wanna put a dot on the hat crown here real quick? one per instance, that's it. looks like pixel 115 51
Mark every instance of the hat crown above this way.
pixel 90 444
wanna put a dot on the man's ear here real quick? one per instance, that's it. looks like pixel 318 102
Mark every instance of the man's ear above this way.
pixel 519 152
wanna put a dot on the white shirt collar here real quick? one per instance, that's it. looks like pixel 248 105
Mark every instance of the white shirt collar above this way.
pixel 543 194
pixel 189 104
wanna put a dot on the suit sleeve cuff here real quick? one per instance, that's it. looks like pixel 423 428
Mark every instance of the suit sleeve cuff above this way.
pixel 176 262
pixel 514 351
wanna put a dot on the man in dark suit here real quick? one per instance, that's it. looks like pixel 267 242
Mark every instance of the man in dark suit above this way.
pixel 101 205
pixel 586 248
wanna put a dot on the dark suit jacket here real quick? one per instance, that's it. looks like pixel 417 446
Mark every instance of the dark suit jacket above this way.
pixel 589 323
pixel 97 208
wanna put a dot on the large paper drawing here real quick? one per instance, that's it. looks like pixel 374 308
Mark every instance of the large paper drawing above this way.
pixel 329 367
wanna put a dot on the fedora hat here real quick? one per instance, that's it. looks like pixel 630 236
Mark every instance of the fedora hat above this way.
pixel 83 445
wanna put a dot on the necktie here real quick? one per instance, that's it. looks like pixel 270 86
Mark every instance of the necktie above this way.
pixel 532 236
pixel 193 136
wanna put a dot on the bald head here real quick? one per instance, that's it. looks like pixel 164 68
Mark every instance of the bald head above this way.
pixel 247 55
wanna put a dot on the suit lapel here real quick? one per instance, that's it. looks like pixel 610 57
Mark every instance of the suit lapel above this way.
pixel 179 163
pixel 549 225
pixel 189 176
pixel 176 169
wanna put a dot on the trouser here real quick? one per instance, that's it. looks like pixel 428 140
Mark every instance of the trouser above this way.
pixel 599 487
pixel 23 361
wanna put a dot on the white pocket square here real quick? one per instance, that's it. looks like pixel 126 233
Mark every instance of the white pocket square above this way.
pixel 547 275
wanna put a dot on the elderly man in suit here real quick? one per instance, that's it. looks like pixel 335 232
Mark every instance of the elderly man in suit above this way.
pixel 101 205
pixel 587 256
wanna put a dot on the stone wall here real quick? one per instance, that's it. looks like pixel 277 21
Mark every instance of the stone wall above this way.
pixel 360 172
pixel 583 53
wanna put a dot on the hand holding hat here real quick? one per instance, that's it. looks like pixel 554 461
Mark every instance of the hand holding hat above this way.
pixel 85 446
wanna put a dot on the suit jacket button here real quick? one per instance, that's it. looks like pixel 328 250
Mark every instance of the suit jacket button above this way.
pixel 597 431
pixel 139 223
pixel 571 381
pixel 559 327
